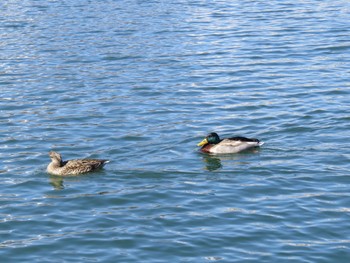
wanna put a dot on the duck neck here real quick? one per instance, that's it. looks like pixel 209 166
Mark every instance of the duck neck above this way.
pixel 216 141
pixel 56 163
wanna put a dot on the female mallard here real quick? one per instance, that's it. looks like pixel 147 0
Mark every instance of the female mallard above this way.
pixel 213 144
pixel 72 167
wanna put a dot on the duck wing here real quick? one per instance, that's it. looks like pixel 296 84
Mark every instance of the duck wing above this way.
pixel 83 165
pixel 243 139
pixel 234 145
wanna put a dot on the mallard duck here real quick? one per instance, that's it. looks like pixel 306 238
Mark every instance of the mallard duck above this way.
pixel 72 167
pixel 213 144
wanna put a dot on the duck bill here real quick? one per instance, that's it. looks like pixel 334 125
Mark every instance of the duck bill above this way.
pixel 204 142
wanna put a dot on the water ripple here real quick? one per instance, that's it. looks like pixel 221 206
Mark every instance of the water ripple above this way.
pixel 140 83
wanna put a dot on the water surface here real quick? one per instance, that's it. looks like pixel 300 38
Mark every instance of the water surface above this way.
pixel 141 83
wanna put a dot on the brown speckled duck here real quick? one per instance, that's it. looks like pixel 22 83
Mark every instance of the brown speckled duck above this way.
pixel 72 167
pixel 213 144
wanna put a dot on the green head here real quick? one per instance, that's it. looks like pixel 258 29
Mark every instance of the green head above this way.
pixel 212 138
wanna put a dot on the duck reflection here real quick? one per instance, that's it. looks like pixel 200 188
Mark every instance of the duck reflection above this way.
pixel 62 182
pixel 212 163
pixel 57 182
pixel 215 162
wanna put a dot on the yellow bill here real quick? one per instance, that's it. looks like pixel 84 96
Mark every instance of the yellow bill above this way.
pixel 204 142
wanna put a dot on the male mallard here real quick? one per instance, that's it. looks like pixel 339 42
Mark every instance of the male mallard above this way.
pixel 72 167
pixel 213 144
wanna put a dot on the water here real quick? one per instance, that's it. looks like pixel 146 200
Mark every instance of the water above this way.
pixel 141 83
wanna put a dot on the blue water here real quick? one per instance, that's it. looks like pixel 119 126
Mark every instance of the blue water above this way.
pixel 141 83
